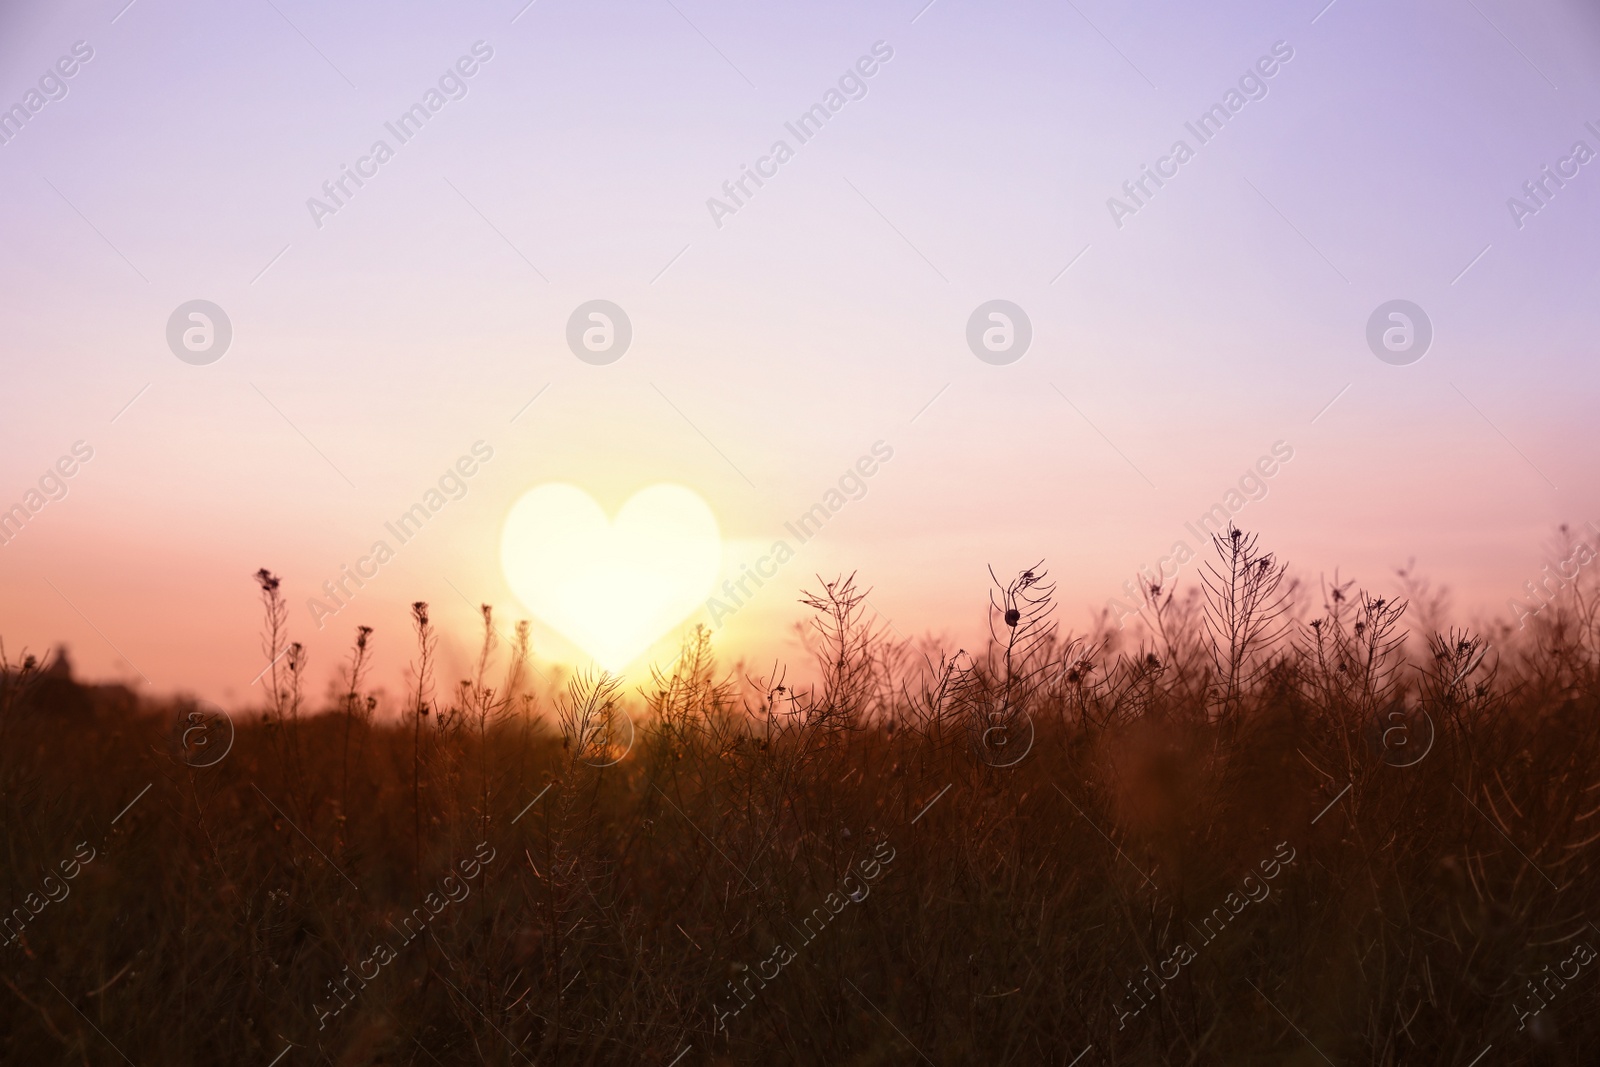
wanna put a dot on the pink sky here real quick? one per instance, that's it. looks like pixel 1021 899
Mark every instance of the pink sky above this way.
pixel 773 346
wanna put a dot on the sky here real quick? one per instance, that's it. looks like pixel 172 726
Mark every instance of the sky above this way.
pixel 385 337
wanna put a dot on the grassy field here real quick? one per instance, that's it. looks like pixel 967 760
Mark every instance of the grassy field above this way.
pixel 1276 828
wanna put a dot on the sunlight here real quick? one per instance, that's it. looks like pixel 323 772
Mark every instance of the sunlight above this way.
pixel 613 588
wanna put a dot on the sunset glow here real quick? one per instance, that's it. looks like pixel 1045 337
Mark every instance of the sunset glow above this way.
pixel 613 587
pixel 683 533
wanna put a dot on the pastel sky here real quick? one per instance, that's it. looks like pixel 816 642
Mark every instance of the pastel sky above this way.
pixel 774 346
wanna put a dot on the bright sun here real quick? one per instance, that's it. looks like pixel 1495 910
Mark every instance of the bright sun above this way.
pixel 611 587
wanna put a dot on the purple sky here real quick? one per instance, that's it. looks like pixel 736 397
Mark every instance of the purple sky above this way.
pixel 774 345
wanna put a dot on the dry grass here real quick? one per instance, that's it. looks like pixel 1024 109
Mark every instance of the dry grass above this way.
pixel 975 907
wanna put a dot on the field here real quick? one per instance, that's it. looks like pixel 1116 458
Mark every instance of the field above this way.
pixel 1284 823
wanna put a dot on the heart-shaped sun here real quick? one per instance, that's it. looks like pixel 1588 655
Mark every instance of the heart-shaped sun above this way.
pixel 613 588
